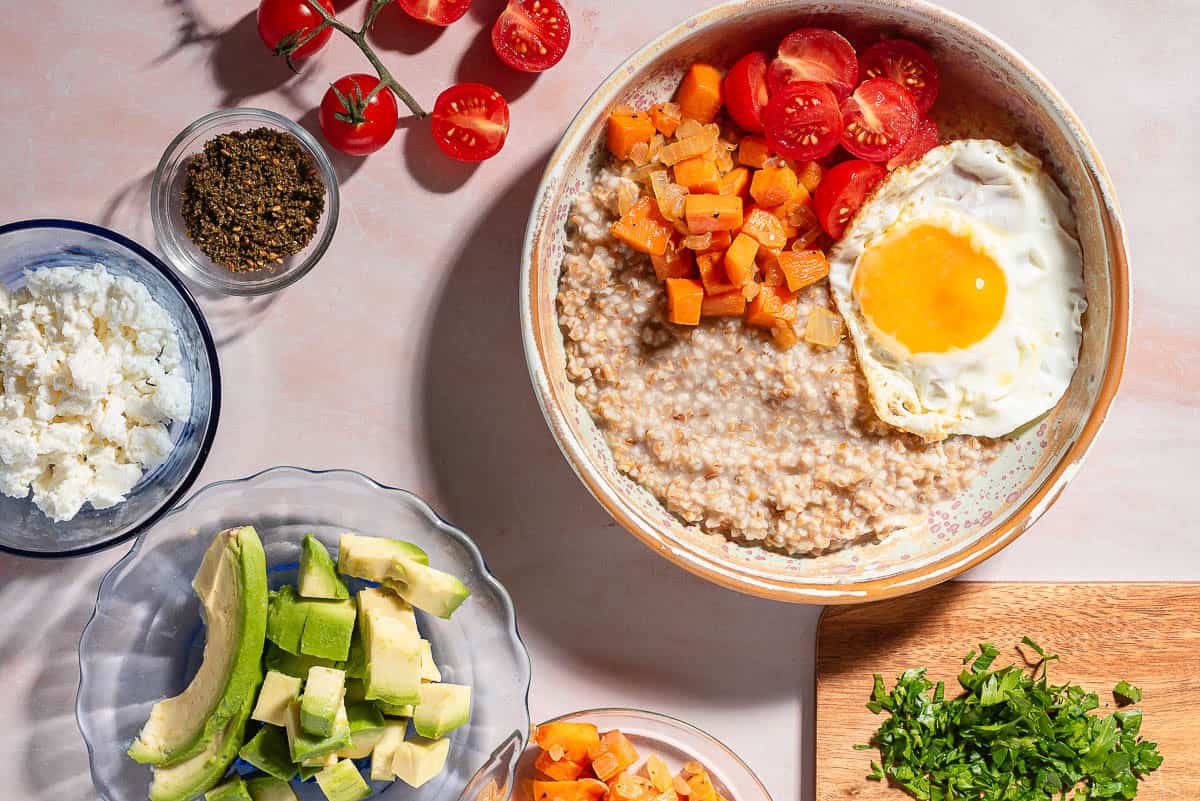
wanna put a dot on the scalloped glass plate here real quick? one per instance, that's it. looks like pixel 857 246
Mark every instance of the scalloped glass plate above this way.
pixel 145 638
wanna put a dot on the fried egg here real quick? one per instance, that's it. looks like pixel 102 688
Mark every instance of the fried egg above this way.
pixel 961 284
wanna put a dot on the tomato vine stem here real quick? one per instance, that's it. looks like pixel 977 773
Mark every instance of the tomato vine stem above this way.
pixel 359 37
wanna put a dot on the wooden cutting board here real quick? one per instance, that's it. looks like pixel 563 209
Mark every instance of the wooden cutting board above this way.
pixel 1148 634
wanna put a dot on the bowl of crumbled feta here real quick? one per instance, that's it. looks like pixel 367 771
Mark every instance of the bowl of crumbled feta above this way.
pixel 109 388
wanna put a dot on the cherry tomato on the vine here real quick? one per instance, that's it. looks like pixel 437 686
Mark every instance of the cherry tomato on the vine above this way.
pixel 353 123
pixel 470 122
pixel 436 12
pixel 842 191
pixel 532 35
pixel 746 92
pixel 282 23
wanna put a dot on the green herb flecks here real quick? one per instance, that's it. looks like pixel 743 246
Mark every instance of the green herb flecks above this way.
pixel 1010 736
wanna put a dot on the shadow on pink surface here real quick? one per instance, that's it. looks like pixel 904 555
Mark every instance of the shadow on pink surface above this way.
pixel 397 31
pixel 624 619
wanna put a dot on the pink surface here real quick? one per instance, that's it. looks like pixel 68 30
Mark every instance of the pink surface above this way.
pixel 400 356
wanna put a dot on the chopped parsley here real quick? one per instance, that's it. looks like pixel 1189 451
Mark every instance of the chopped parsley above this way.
pixel 1010 735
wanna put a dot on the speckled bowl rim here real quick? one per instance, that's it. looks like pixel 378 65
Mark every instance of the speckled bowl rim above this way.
pixel 838 591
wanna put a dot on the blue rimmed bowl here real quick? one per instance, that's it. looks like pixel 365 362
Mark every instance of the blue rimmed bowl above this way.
pixel 145 638
pixel 51 244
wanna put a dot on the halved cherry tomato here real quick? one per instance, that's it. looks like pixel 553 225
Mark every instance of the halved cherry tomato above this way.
pixel 803 121
pixel 436 12
pixel 470 122
pixel 842 191
pixel 532 35
pixel 746 92
pixel 818 55
pixel 906 63
pixel 924 139
pixel 877 120
pixel 352 123
pixel 284 22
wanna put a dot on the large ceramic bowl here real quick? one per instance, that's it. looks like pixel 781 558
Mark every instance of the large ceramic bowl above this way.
pixel 145 639
pixel 987 90
pixel 52 244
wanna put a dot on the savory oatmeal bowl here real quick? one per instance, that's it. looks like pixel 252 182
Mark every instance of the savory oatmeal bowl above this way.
pixel 825 302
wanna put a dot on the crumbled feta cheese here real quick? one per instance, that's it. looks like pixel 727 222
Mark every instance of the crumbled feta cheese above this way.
pixel 90 377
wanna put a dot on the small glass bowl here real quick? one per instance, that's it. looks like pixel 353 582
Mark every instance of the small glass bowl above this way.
pixel 673 740
pixel 166 202
pixel 145 639
pixel 51 244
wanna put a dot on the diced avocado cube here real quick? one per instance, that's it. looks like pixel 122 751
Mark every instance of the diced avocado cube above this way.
pixel 296 665
pixel 429 668
pixel 307 773
pixel 269 788
pixel 268 751
pixel 395 710
pixel 328 629
pixel 356 662
pixel 343 782
pixel 427 589
pixel 442 708
pixel 317 577
pixel 286 615
pixel 393 661
pixel 419 759
pixel 370 558
pixel 232 790
pixel 366 729
pixel 327 761
pixel 355 691
pixel 384 752
pixel 323 692
pixel 362 743
pixel 278 691
pixel 377 602
pixel 305 746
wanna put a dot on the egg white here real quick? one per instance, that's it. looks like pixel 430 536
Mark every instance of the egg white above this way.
pixel 1002 199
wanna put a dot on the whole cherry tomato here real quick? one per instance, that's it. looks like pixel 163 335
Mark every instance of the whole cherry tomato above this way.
pixel 282 23
pixel 355 121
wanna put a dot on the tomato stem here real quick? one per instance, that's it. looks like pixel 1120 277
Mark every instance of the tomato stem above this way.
pixel 359 37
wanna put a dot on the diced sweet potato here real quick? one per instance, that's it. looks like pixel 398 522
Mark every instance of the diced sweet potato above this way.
pixel 712 274
pixel 702 787
pixel 580 790
pixel 764 227
pixel 644 228
pixel 712 213
pixel 678 263
pixel 698 174
pixel 685 297
pixel 739 260
pixel 769 264
pixel 666 117
pixel 772 186
pixel 574 739
pixel 753 152
pixel 803 268
pixel 629 787
pixel 735 182
pixel 626 129
pixel 810 174
pixel 773 306
pixel 614 754
pixel 699 95
pixel 658 772
pixel 727 304
pixel 563 770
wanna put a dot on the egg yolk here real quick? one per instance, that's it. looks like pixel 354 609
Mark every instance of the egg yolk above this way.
pixel 932 289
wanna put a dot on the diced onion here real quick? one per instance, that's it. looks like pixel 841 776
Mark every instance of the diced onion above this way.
pixel 688 128
pixel 656 145
pixel 750 291
pixel 784 336
pixel 627 195
pixel 824 328
pixel 685 148
pixel 669 195
pixel 723 159
pixel 698 241
pixel 639 154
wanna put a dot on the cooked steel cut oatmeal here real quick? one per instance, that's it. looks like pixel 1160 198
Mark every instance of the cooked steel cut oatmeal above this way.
pixel 733 435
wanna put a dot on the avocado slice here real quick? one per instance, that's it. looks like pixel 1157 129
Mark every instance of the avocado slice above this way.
pixel 429 668
pixel 385 750
pixel 268 751
pixel 343 782
pixel 232 790
pixel 232 586
pixel 328 629
pixel 285 618
pixel 268 788
pixel 442 709
pixel 323 693
pixel 366 730
pixel 305 746
pixel 418 760
pixel 426 588
pixel 278 691
pixel 296 665
pixel 317 577
pixel 190 777
pixel 370 558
